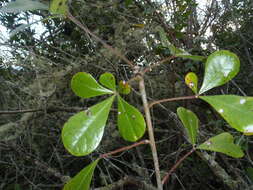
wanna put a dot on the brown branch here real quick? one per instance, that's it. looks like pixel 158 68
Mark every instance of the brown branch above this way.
pixel 172 99
pixel 150 132
pixel 124 148
pixel 166 178
pixel 113 50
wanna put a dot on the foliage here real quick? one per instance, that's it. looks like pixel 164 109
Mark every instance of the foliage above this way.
pixel 83 179
pixel 84 131
pixel 146 33
pixel 191 123
pixel 221 67
pixel 222 143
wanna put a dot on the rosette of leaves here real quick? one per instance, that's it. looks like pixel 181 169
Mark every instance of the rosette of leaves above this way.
pixel 83 132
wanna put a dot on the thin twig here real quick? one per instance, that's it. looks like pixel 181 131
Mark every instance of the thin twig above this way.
pixel 19 111
pixel 150 132
pixel 172 99
pixel 124 148
pixel 48 110
pixel 166 178
pixel 113 50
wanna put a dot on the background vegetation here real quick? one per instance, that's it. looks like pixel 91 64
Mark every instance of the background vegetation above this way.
pixel 36 67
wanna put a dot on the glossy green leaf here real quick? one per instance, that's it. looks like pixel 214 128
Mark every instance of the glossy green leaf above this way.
pixel 124 88
pixel 82 133
pixel 223 143
pixel 236 110
pixel 108 80
pixel 190 122
pixel 59 7
pixel 191 80
pixel 23 5
pixel 83 179
pixel 85 86
pixel 131 123
pixel 221 66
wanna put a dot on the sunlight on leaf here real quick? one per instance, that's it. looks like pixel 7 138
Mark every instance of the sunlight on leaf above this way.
pixel 236 110
pixel 131 123
pixel 59 7
pixel 191 80
pixel 221 66
pixel 124 88
pixel 85 86
pixel 82 133
pixel 83 179
pixel 108 80
pixel 223 143
pixel 190 122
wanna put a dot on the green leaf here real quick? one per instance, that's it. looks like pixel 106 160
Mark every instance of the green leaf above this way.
pixel 85 86
pixel 236 110
pixel 223 143
pixel 178 52
pixel 83 179
pixel 166 42
pixel 108 80
pixel 131 123
pixel 17 187
pixel 190 122
pixel 128 2
pixel 191 80
pixel 23 5
pixel 249 172
pixel 59 7
pixel 83 132
pixel 221 66
pixel 124 88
